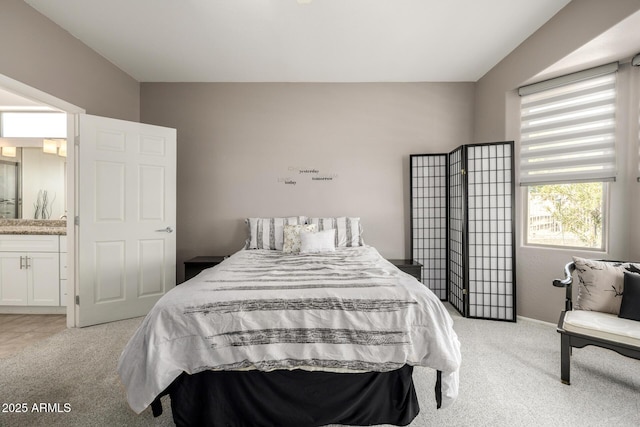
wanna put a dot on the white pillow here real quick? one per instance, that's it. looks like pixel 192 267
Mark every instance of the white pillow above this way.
pixel 292 237
pixel 321 241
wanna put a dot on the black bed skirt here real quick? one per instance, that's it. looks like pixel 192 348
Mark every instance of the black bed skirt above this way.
pixel 293 398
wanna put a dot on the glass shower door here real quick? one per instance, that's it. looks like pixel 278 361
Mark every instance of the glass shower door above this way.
pixel 8 190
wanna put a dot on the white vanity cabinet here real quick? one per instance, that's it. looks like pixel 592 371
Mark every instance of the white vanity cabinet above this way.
pixel 30 270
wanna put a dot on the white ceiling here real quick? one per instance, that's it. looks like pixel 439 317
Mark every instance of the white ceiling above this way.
pixel 285 41
pixel 324 41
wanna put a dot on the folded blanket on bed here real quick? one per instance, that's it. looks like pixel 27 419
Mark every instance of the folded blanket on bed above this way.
pixel 343 311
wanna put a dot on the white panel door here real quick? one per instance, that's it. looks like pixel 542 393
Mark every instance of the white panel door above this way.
pixel 126 251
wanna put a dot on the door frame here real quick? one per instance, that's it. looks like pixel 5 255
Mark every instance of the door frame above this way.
pixel 37 95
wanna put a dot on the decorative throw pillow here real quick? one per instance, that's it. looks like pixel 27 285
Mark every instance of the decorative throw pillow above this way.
pixel 601 283
pixel 321 241
pixel 292 236
pixel 630 307
pixel 268 233
pixel 348 231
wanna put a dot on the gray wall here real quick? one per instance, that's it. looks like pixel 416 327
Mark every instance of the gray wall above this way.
pixel 497 118
pixel 572 27
pixel 38 53
pixel 238 142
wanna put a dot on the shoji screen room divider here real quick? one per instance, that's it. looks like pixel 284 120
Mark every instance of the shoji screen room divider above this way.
pixel 463 227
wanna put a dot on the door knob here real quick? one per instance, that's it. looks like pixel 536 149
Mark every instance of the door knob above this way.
pixel 166 230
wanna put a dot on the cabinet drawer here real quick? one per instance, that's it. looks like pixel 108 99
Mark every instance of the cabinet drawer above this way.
pixel 28 243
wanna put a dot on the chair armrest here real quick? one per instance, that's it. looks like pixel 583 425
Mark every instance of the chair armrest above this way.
pixel 566 283
pixel 568 278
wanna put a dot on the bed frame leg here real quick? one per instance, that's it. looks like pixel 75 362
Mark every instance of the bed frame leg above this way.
pixel 439 389
pixel 565 359
pixel 156 407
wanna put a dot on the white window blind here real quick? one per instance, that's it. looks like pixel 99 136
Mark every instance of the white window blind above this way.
pixel 568 128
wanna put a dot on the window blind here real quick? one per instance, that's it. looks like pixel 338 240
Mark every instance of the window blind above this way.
pixel 568 128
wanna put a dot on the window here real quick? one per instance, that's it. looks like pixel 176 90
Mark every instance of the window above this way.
pixel 571 215
pixel 567 153
pixel 34 125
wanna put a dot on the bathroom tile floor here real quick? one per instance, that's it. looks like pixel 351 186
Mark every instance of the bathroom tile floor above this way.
pixel 18 331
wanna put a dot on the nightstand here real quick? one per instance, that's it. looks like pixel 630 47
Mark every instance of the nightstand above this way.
pixel 408 266
pixel 195 265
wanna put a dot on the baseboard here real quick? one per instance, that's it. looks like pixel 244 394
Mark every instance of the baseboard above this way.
pixel 21 309
pixel 542 322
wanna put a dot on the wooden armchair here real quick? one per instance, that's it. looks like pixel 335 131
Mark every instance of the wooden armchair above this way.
pixel 580 328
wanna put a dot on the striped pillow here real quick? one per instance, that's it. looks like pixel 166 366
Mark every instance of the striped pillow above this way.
pixel 268 233
pixel 348 230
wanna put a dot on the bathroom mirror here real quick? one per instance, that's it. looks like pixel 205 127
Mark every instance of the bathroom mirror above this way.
pixel 37 180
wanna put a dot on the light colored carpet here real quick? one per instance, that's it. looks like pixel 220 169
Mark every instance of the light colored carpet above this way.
pixel 509 377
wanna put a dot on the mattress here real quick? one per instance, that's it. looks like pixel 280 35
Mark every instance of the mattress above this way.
pixel 345 311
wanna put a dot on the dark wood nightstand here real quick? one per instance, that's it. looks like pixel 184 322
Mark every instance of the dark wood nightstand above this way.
pixel 408 266
pixel 195 265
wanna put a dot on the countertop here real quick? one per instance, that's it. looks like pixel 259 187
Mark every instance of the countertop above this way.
pixel 33 226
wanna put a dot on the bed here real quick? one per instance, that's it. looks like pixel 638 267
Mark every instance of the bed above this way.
pixel 279 338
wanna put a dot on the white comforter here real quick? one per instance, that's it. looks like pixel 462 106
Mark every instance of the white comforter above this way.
pixel 344 311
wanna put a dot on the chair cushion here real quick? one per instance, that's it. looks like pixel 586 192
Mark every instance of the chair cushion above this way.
pixel 630 307
pixel 606 326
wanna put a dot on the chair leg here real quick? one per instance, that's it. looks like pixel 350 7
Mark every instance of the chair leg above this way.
pixel 565 359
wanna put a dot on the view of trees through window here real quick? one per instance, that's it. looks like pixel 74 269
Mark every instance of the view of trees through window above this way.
pixel 566 215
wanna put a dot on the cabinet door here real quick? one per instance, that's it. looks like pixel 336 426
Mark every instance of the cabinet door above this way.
pixel 13 279
pixel 43 274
